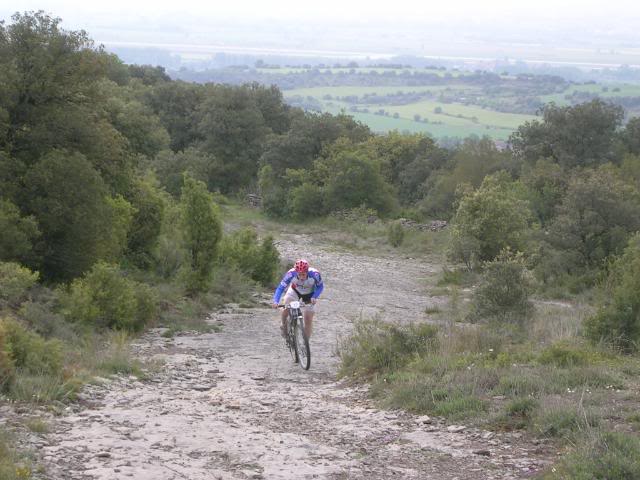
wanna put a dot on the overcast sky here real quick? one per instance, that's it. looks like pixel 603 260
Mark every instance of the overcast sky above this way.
pixel 610 12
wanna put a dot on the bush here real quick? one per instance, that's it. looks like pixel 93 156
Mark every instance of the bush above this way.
pixel 242 250
pixel 618 318
pixel 503 293
pixel 376 346
pixel 104 298
pixel 15 282
pixel 7 368
pixel 395 234
pixel 564 355
pixel 29 352
pixel 18 233
pixel 490 219
pixel 202 232
pixel 169 256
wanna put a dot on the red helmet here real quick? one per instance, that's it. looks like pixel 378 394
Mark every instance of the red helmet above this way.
pixel 302 266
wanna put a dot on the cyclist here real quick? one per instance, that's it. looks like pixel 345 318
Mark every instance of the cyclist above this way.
pixel 301 283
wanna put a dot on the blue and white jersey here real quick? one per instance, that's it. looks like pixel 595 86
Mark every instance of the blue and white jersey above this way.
pixel 313 284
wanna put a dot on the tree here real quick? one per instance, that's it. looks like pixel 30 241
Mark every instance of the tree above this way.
pixel 148 204
pixel 470 163
pixel 202 232
pixel 352 180
pixel 631 136
pixel 202 166
pixel 53 99
pixel 580 135
pixel 233 130
pixel 546 184
pixel 492 218
pixel 80 223
pixel 175 103
pixel 18 234
pixel 596 217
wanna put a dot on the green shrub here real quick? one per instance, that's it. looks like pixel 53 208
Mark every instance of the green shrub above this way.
pixel 15 282
pixel 489 220
pixel 611 456
pixel 7 368
pixel 565 355
pixel 29 352
pixel 202 229
pixel 521 407
pixel 517 413
pixel 259 260
pixel 104 298
pixel 376 346
pixel 169 256
pixel 39 314
pixel 395 234
pixel 18 233
pixel 149 206
pixel 618 318
pixel 503 293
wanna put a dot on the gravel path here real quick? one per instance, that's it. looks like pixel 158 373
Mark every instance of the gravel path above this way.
pixel 232 405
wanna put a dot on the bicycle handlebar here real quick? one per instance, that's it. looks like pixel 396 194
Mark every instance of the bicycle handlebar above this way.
pixel 302 304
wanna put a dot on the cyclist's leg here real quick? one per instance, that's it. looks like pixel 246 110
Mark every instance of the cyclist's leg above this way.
pixel 289 297
pixel 308 321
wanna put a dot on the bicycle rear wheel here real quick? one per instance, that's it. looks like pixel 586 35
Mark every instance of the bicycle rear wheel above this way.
pixel 303 350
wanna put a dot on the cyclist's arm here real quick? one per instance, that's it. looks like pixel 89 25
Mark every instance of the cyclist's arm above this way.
pixel 319 285
pixel 282 286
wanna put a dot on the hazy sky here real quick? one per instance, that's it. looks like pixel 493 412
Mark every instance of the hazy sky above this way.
pixel 610 12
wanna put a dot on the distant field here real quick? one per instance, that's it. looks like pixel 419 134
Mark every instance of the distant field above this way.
pixel 455 119
pixel 604 91
pixel 319 92
pixel 452 109
pixel 379 70
pixel 379 123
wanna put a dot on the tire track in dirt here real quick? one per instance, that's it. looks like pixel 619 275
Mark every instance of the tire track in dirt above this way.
pixel 232 405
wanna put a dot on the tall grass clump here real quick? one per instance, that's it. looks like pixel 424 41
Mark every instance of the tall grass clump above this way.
pixel 13 465
pixel 104 298
pixel 608 455
pixel 376 347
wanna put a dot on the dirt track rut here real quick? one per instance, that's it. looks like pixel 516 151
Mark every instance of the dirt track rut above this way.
pixel 232 405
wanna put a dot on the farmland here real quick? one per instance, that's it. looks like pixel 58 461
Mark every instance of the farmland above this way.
pixel 432 100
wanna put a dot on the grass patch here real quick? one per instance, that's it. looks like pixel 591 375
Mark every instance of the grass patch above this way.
pixel 457 276
pixel 608 455
pixel 475 373
pixel 563 420
pixel 44 389
pixel 13 465
pixel 37 425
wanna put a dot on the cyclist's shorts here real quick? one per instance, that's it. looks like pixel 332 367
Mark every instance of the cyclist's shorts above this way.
pixel 292 296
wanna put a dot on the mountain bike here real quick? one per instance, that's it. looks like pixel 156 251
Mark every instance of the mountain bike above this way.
pixel 296 338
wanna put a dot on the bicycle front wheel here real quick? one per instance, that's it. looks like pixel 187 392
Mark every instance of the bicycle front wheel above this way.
pixel 302 344
pixel 291 337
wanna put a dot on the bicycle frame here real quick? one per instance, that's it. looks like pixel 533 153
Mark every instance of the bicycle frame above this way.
pixel 296 340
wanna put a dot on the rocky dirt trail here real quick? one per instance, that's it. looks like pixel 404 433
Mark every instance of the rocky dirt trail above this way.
pixel 232 405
